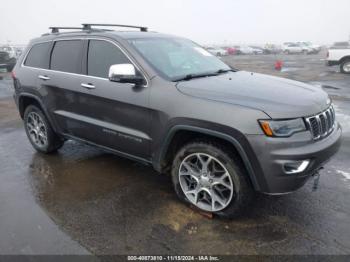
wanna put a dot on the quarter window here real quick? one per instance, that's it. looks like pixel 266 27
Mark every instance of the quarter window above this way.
pixel 66 56
pixel 38 56
pixel 101 55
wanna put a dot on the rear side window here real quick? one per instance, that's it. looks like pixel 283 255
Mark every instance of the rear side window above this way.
pixel 38 56
pixel 101 56
pixel 66 56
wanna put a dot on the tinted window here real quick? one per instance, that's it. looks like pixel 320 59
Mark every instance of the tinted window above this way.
pixel 38 56
pixel 66 56
pixel 101 56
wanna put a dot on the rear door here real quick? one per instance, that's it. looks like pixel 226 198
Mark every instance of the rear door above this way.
pixel 60 85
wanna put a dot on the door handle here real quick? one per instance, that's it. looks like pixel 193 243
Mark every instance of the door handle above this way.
pixel 43 77
pixel 88 86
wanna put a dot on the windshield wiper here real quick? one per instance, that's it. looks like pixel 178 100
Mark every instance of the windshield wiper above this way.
pixel 192 76
pixel 220 71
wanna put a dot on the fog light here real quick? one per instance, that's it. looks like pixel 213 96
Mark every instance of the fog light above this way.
pixel 295 167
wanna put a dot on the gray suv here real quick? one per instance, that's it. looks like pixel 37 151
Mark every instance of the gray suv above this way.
pixel 221 133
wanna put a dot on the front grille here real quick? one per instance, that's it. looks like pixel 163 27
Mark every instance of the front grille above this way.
pixel 321 124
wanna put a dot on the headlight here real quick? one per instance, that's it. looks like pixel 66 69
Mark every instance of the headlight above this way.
pixel 282 128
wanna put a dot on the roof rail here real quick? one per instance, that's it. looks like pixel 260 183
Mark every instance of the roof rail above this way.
pixel 88 26
pixel 56 29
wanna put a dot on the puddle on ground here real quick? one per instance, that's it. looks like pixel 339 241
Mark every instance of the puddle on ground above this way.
pixel 290 69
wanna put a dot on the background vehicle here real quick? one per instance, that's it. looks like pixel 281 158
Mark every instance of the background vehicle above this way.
pixel 247 50
pixel 340 45
pixel 7 62
pixel 217 51
pixel 292 48
pixel 339 55
pixel 231 50
pixel 315 48
pixel 18 51
pixel 257 50
pixel 309 48
pixel 272 49
pixel 221 134
pixel 10 50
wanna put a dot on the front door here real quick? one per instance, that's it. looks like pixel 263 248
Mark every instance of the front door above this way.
pixel 114 115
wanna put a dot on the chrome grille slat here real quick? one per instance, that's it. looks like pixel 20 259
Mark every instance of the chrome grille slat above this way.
pixel 322 124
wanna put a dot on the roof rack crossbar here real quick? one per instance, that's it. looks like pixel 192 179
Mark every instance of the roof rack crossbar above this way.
pixel 55 29
pixel 88 26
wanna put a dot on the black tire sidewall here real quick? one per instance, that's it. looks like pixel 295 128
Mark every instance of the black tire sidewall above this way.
pixel 342 66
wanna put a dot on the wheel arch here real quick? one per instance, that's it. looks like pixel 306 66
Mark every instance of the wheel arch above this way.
pixel 184 134
pixel 344 58
pixel 26 99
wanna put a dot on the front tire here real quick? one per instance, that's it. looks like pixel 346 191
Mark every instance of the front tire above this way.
pixel 210 177
pixel 345 66
pixel 39 131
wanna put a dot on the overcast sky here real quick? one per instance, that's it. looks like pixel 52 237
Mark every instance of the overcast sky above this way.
pixel 205 21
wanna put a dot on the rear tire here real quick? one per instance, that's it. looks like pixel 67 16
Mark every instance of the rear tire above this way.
pixel 345 66
pixel 223 166
pixel 39 131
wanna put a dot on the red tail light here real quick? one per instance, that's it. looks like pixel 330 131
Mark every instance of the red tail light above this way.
pixel 13 74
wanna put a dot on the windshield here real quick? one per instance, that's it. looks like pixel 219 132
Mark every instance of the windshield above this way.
pixel 176 58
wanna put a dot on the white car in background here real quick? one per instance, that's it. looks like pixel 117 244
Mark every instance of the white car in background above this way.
pixel 316 48
pixel 309 48
pixel 292 48
pixel 217 51
pixel 248 50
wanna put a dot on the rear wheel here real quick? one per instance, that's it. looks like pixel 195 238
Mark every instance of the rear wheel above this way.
pixel 209 177
pixel 39 131
pixel 345 66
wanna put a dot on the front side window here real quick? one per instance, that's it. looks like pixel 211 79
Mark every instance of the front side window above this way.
pixel 66 56
pixel 101 55
pixel 38 56
pixel 175 58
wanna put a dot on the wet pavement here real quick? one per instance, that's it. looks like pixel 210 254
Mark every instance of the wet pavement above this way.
pixel 83 200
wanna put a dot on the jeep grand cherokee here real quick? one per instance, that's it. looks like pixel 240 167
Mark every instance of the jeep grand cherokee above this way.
pixel 221 133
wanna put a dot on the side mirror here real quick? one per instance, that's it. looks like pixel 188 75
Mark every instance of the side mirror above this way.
pixel 125 73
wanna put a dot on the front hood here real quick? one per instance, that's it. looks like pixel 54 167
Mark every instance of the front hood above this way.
pixel 277 97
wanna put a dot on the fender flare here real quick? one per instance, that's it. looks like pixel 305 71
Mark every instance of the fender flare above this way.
pixel 37 99
pixel 233 141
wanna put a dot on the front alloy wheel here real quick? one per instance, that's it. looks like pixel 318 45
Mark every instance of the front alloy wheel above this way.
pixel 206 182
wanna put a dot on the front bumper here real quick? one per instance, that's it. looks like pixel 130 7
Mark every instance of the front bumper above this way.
pixel 332 63
pixel 273 153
